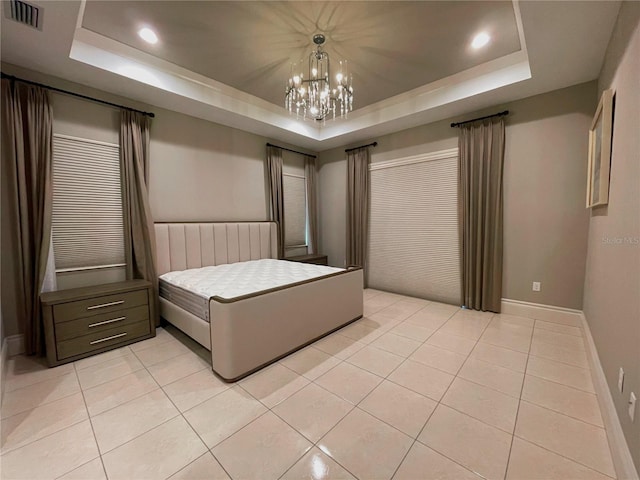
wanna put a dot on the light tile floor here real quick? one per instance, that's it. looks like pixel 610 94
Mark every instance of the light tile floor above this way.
pixel 416 389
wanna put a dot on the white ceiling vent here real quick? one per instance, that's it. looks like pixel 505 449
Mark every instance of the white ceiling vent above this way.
pixel 25 13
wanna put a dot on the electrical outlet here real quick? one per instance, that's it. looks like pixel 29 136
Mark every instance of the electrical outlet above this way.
pixel 536 286
pixel 621 380
pixel 632 406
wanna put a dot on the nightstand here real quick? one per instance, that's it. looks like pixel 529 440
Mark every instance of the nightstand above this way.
pixel 316 258
pixel 80 322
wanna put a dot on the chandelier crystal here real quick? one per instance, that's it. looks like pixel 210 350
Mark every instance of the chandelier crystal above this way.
pixel 317 94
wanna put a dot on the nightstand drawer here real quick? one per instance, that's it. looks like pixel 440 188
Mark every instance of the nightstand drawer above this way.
pixel 98 305
pixel 99 323
pixel 102 339
pixel 84 321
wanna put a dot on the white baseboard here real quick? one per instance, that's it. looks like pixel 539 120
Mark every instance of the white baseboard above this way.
pixel 622 459
pixel 620 453
pixel 14 345
pixel 539 311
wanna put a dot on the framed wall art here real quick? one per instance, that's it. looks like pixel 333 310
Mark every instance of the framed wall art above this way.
pixel 600 152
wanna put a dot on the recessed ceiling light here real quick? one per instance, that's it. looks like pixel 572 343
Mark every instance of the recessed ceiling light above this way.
pixel 148 35
pixel 480 40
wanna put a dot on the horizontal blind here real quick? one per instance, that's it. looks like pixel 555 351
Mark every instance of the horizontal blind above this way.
pixel 295 210
pixel 87 218
pixel 413 227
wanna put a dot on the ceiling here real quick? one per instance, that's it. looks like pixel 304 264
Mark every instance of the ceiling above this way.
pixel 251 45
pixel 227 61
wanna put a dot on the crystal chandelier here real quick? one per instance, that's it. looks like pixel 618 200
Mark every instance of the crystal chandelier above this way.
pixel 313 95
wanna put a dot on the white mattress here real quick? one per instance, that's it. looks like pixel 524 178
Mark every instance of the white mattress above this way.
pixel 191 289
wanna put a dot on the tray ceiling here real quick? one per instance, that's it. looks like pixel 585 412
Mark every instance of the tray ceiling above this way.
pixel 226 62
pixel 391 47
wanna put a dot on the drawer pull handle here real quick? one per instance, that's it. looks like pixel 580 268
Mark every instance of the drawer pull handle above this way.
pixel 97 324
pixel 108 338
pixel 110 304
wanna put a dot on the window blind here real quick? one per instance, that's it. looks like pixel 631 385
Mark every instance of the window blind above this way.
pixel 87 219
pixel 295 210
pixel 413 227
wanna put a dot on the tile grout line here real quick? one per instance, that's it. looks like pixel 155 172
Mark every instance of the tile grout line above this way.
pixel 316 443
pixel 439 402
pixel 232 434
pixel 384 378
pixel 429 366
pixel 128 401
pixel 166 421
pixel 547 359
pixel 120 378
pixel 144 367
pixel 40 404
pixel 209 450
pixel 313 444
pixel 561 413
pixel 181 413
pixel 93 432
pixel 356 406
pixel 191 463
pixel 536 327
pixel 561 384
pixel 115 378
pixel 136 398
pixel 515 423
pixel 59 430
pixel 564 457
pixel 138 436
pixel 30 442
pixel 519 400
pixel 564 347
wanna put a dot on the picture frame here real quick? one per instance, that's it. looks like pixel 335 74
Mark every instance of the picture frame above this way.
pixel 599 162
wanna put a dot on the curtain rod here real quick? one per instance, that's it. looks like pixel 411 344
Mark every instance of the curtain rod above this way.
pixel 289 150
pixel 374 144
pixel 499 114
pixel 73 94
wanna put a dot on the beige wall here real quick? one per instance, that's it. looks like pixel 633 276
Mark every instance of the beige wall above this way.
pixel 204 171
pixel 612 283
pixel 545 222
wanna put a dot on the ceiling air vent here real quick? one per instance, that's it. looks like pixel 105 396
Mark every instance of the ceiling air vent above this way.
pixel 25 13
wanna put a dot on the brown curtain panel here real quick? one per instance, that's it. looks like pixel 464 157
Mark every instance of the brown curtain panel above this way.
pixel 312 207
pixel 140 238
pixel 358 207
pixel 481 150
pixel 276 193
pixel 27 150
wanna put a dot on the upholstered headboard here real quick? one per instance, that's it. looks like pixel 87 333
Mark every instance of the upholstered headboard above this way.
pixel 180 246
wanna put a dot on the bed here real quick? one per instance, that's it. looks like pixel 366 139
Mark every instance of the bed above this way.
pixel 217 286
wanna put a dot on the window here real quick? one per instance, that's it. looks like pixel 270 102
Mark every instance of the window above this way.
pixel 295 210
pixel 87 220
pixel 413 228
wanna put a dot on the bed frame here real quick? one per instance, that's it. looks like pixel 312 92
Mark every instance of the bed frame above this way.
pixel 246 333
